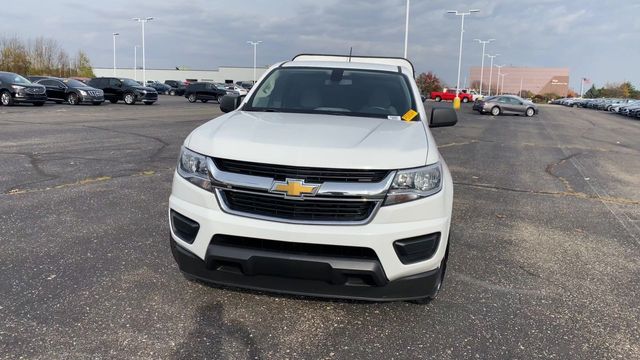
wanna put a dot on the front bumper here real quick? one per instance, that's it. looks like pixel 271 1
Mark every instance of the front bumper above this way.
pixel 395 280
pixel 302 275
pixel 86 99
pixel 149 96
pixel 30 98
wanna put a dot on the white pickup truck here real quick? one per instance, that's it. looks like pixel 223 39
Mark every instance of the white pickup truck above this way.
pixel 323 180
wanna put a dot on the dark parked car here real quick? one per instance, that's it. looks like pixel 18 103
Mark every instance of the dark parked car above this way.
pixel 203 91
pixel 16 89
pixel 72 91
pixel 160 87
pixel 116 89
pixel 33 79
pixel 177 87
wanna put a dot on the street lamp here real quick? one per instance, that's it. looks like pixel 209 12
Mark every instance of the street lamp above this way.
pixel 502 86
pixel 255 50
pixel 144 67
pixel 406 30
pixel 135 62
pixel 114 52
pixel 498 82
pixel 456 103
pixel 491 70
pixel 484 44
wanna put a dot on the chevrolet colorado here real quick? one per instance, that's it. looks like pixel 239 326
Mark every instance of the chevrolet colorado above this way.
pixel 323 180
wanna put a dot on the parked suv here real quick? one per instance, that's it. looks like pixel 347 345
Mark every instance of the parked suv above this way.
pixel 325 180
pixel 129 90
pixel 177 87
pixel 72 91
pixel 16 89
pixel 203 91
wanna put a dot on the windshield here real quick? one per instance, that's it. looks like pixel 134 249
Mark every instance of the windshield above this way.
pixel 334 91
pixel 74 83
pixel 17 79
pixel 130 82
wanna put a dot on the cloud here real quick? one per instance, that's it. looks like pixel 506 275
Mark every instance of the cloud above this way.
pixel 588 36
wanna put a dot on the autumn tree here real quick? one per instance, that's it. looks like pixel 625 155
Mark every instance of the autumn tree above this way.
pixel 14 56
pixel 428 82
pixel 41 56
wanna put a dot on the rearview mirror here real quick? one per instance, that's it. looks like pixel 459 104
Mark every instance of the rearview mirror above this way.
pixel 441 117
pixel 229 103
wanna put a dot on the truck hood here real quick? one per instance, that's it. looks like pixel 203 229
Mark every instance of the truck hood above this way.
pixel 313 140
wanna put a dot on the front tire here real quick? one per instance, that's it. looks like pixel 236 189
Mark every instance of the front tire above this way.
pixel 530 112
pixel 438 99
pixel 192 98
pixel 172 93
pixel 38 103
pixel 129 99
pixel 495 111
pixel 97 103
pixel 72 99
pixel 6 99
pixel 113 101
pixel 149 102
pixel 204 100
pixel 465 100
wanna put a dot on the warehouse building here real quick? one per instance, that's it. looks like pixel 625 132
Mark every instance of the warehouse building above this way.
pixel 536 80
pixel 222 74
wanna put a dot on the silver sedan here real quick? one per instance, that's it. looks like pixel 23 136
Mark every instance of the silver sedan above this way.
pixel 505 104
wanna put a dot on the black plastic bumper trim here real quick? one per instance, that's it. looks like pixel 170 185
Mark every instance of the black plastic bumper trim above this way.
pixel 303 275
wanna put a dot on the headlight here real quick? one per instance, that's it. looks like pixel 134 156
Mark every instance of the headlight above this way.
pixel 413 184
pixel 17 87
pixel 143 92
pixel 83 93
pixel 193 167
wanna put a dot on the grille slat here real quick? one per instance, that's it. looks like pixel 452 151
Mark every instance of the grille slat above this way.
pixel 309 174
pixel 301 210
pixel 295 248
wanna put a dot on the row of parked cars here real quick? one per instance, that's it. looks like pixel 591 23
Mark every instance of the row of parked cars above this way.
pixel 37 90
pixel 627 107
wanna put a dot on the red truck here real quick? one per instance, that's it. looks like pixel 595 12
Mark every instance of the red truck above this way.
pixel 450 94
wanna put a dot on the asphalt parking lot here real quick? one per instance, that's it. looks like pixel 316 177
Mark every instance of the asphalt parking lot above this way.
pixel 544 263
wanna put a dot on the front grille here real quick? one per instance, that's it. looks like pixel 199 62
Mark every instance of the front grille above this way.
pixel 95 93
pixel 35 90
pixel 298 210
pixel 309 174
pixel 333 251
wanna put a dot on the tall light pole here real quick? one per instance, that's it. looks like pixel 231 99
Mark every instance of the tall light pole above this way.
pixel 406 30
pixel 255 51
pixel 502 86
pixel 498 82
pixel 491 70
pixel 456 103
pixel 114 52
pixel 520 92
pixel 144 65
pixel 484 44
pixel 135 62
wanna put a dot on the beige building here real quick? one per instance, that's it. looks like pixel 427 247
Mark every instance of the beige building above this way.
pixel 220 75
pixel 536 80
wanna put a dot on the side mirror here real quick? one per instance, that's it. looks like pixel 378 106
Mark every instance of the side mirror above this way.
pixel 424 98
pixel 229 103
pixel 441 117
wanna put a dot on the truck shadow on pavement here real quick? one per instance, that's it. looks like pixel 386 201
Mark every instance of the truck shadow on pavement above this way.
pixel 213 337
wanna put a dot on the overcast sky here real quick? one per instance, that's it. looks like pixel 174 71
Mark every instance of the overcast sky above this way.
pixel 591 37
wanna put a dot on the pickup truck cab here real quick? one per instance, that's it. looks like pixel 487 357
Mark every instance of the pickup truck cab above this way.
pixel 324 180
pixel 449 95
